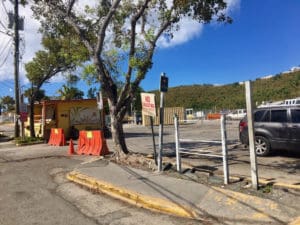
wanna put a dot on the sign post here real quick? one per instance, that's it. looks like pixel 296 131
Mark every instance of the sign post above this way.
pixel 163 88
pixel 149 109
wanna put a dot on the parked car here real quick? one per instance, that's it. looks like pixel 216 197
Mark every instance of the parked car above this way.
pixel 276 127
pixel 236 114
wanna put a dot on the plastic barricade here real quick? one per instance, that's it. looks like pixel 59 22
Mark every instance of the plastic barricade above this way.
pixel 92 143
pixel 213 116
pixel 57 137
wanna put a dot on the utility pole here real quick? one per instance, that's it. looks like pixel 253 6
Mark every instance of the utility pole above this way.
pixel 16 65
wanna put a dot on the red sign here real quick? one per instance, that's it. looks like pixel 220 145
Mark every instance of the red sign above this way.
pixel 148 104
pixel 23 116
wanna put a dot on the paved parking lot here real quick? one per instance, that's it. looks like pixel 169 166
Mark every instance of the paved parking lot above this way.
pixel 281 167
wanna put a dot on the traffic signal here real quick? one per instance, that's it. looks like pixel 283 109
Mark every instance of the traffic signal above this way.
pixel 164 83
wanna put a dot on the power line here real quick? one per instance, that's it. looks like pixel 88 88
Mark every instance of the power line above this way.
pixel 4 7
pixel 6 57
pixel 6 45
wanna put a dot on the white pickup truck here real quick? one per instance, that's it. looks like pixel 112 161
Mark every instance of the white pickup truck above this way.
pixel 237 114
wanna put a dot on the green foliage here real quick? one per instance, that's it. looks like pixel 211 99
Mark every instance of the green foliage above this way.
pixel 68 93
pixel 8 103
pixel 28 140
pixel 232 96
pixel 92 92
pixel 40 94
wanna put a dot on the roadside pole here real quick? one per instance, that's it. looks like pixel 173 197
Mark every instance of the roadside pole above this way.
pixel 153 140
pixel 224 149
pixel 253 161
pixel 16 67
pixel 161 131
pixel 149 109
pixel 177 144
pixel 163 89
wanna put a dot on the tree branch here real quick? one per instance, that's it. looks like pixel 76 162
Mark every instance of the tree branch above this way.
pixel 70 6
pixel 102 30
pixel 71 20
pixel 134 20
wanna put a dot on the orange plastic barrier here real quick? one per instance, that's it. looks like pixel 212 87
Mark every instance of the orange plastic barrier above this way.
pixel 213 116
pixel 92 143
pixel 57 137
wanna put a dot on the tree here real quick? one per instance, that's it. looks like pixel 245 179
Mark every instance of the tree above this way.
pixel 40 94
pixel 68 93
pixel 46 64
pixel 121 37
pixel 8 103
pixel 91 92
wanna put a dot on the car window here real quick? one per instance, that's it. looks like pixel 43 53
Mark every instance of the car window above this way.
pixel 279 116
pixel 258 115
pixel 295 115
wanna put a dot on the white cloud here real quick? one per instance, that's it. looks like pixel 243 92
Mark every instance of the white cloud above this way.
pixel 232 5
pixel 189 30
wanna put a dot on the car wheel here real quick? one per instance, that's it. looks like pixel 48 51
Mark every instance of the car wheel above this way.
pixel 262 146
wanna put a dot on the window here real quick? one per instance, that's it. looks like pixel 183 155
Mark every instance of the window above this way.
pixel 279 116
pixel 295 115
pixel 258 116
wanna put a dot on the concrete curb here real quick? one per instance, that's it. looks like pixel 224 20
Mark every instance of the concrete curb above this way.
pixel 214 200
pixel 152 203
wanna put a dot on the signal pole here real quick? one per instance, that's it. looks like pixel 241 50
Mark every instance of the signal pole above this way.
pixel 16 65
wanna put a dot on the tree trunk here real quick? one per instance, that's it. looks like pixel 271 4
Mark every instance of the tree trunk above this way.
pixel 118 136
pixel 31 119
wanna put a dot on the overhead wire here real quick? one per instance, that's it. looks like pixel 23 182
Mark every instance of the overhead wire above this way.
pixel 5 46
pixel 4 7
pixel 8 46
pixel 1 23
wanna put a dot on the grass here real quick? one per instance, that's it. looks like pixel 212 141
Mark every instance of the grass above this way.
pixel 28 140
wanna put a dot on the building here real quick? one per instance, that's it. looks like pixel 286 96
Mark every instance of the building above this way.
pixel 70 115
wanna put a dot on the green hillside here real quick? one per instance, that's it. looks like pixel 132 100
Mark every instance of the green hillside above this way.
pixel 232 96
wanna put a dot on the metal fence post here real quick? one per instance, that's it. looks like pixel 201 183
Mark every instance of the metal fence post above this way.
pixel 161 132
pixel 178 157
pixel 224 149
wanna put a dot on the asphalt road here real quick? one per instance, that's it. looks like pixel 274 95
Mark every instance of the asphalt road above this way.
pixel 34 190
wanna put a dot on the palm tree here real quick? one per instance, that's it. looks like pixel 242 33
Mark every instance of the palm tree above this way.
pixel 68 93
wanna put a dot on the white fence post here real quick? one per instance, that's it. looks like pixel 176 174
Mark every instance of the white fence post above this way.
pixel 253 160
pixel 178 157
pixel 224 149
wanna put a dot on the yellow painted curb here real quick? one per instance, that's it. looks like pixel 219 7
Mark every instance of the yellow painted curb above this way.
pixel 131 197
pixel 277 184
pixel 289 186
pixel 296 221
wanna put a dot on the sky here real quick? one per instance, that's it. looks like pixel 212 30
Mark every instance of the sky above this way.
pixel 264 39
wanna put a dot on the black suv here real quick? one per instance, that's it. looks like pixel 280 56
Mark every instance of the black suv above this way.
pixel 276 127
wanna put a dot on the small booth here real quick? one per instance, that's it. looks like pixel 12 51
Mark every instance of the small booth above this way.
pixel 70 115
